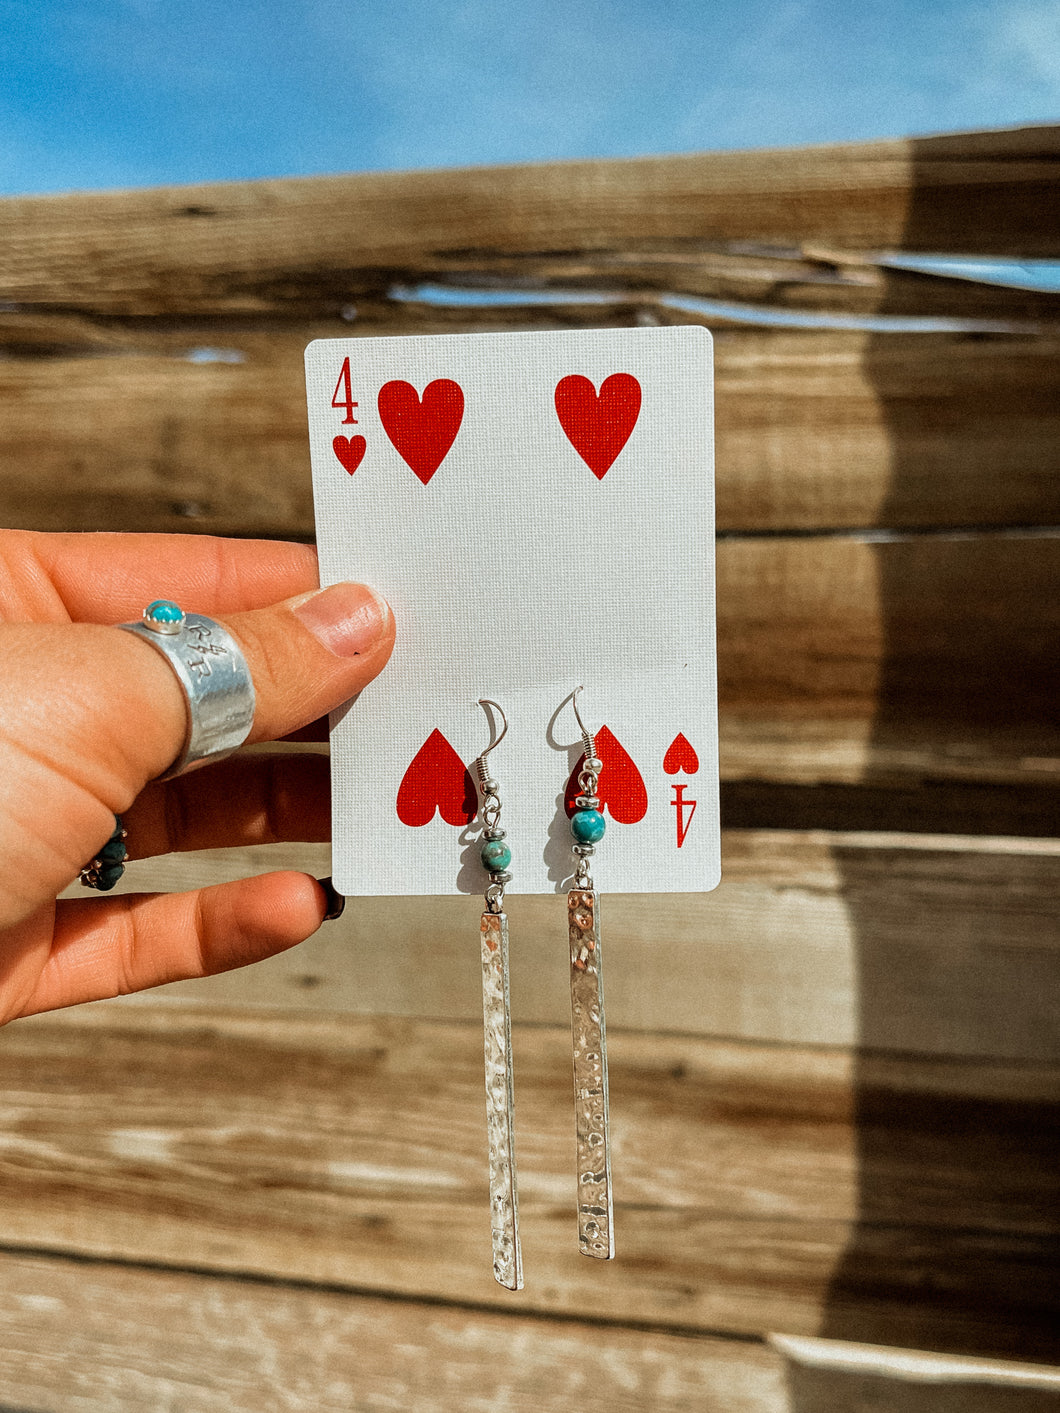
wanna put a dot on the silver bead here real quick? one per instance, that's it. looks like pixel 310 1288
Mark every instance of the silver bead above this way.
pixel 496 834
pixel 594 765
pixel 588 802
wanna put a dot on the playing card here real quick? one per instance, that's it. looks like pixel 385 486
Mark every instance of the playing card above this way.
pixel 538 510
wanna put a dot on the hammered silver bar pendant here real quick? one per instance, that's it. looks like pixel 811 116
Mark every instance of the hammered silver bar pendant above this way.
pixel 500 1124
pixel 596 1233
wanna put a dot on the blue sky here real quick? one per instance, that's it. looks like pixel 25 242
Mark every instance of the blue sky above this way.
pixel 105 93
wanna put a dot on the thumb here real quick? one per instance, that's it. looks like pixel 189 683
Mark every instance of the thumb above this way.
pixel 306 656
pixel 312 653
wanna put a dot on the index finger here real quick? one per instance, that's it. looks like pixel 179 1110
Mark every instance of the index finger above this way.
pixel 110 577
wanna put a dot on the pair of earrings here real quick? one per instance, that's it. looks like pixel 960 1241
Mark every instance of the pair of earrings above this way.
pixel 595 1205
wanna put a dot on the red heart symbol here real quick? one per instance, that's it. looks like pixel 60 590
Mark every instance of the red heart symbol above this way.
pixel 350 451
pixel 621 789
pixel 680 756
pixel 598 427
pixel 422 432
pixel 436 780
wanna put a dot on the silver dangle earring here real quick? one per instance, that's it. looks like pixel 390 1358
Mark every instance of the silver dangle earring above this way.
pixel 596 1233
pixel 497 1030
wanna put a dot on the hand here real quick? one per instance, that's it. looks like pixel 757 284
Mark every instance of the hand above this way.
pixel 90 716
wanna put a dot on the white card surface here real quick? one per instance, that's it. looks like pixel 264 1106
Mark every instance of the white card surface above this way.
pixel 538 510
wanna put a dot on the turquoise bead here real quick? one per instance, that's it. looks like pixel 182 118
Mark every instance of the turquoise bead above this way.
pixel 106 867
pixel 163 611
pixel 496 856
pixel 587 826
pixel 112 852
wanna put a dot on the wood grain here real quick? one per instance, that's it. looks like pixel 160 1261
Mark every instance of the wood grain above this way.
pixel 815 428
pixel 647 277
pixel 100 1338
pixel 833 1376
pixel 943 945
pixel 96 1337
pixel 811 280
pixel 845 660
pixel 283 244
pixel 944 807
pixel 759 1187
pixel 830 429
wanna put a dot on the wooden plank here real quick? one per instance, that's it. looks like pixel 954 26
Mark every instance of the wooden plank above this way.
pixel 815 428
pixel 834 1376
pixel 269 244
pixel 95 1338
pixel 810 280
pixel 947 807
pixel 842 660
pixel 759 1187
pixel 101 1338
pixel 942 945
pixel 895 430
pixel 649 277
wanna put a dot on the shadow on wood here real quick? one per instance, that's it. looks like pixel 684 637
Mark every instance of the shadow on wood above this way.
pixel 828 1377
pixel 968 683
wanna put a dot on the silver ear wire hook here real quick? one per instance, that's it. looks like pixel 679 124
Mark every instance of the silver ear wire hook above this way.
pixel 496 855
pixel 480 764
pixel 587 735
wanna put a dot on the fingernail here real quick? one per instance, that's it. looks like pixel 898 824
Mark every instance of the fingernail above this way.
pixel 336 902
pixel 349 619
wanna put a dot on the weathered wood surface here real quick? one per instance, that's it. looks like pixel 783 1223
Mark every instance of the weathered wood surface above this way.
pixel 95 1337
pixel 899 1200
pixel 943 945
pixel 841 1119
pixel 1022 810
pixel 98 1338
pixel 304 243
pixel 831 1376
pixel 817 429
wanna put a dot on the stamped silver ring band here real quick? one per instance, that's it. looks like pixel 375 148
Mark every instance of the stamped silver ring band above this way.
pixel 211 668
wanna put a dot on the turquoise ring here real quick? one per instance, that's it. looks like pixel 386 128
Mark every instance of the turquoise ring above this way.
pixel 213 674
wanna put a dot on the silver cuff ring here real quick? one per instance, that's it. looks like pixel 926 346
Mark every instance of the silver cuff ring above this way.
pixel 213 672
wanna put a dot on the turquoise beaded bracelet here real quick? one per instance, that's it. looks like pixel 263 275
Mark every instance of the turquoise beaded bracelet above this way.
pixel 107 867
